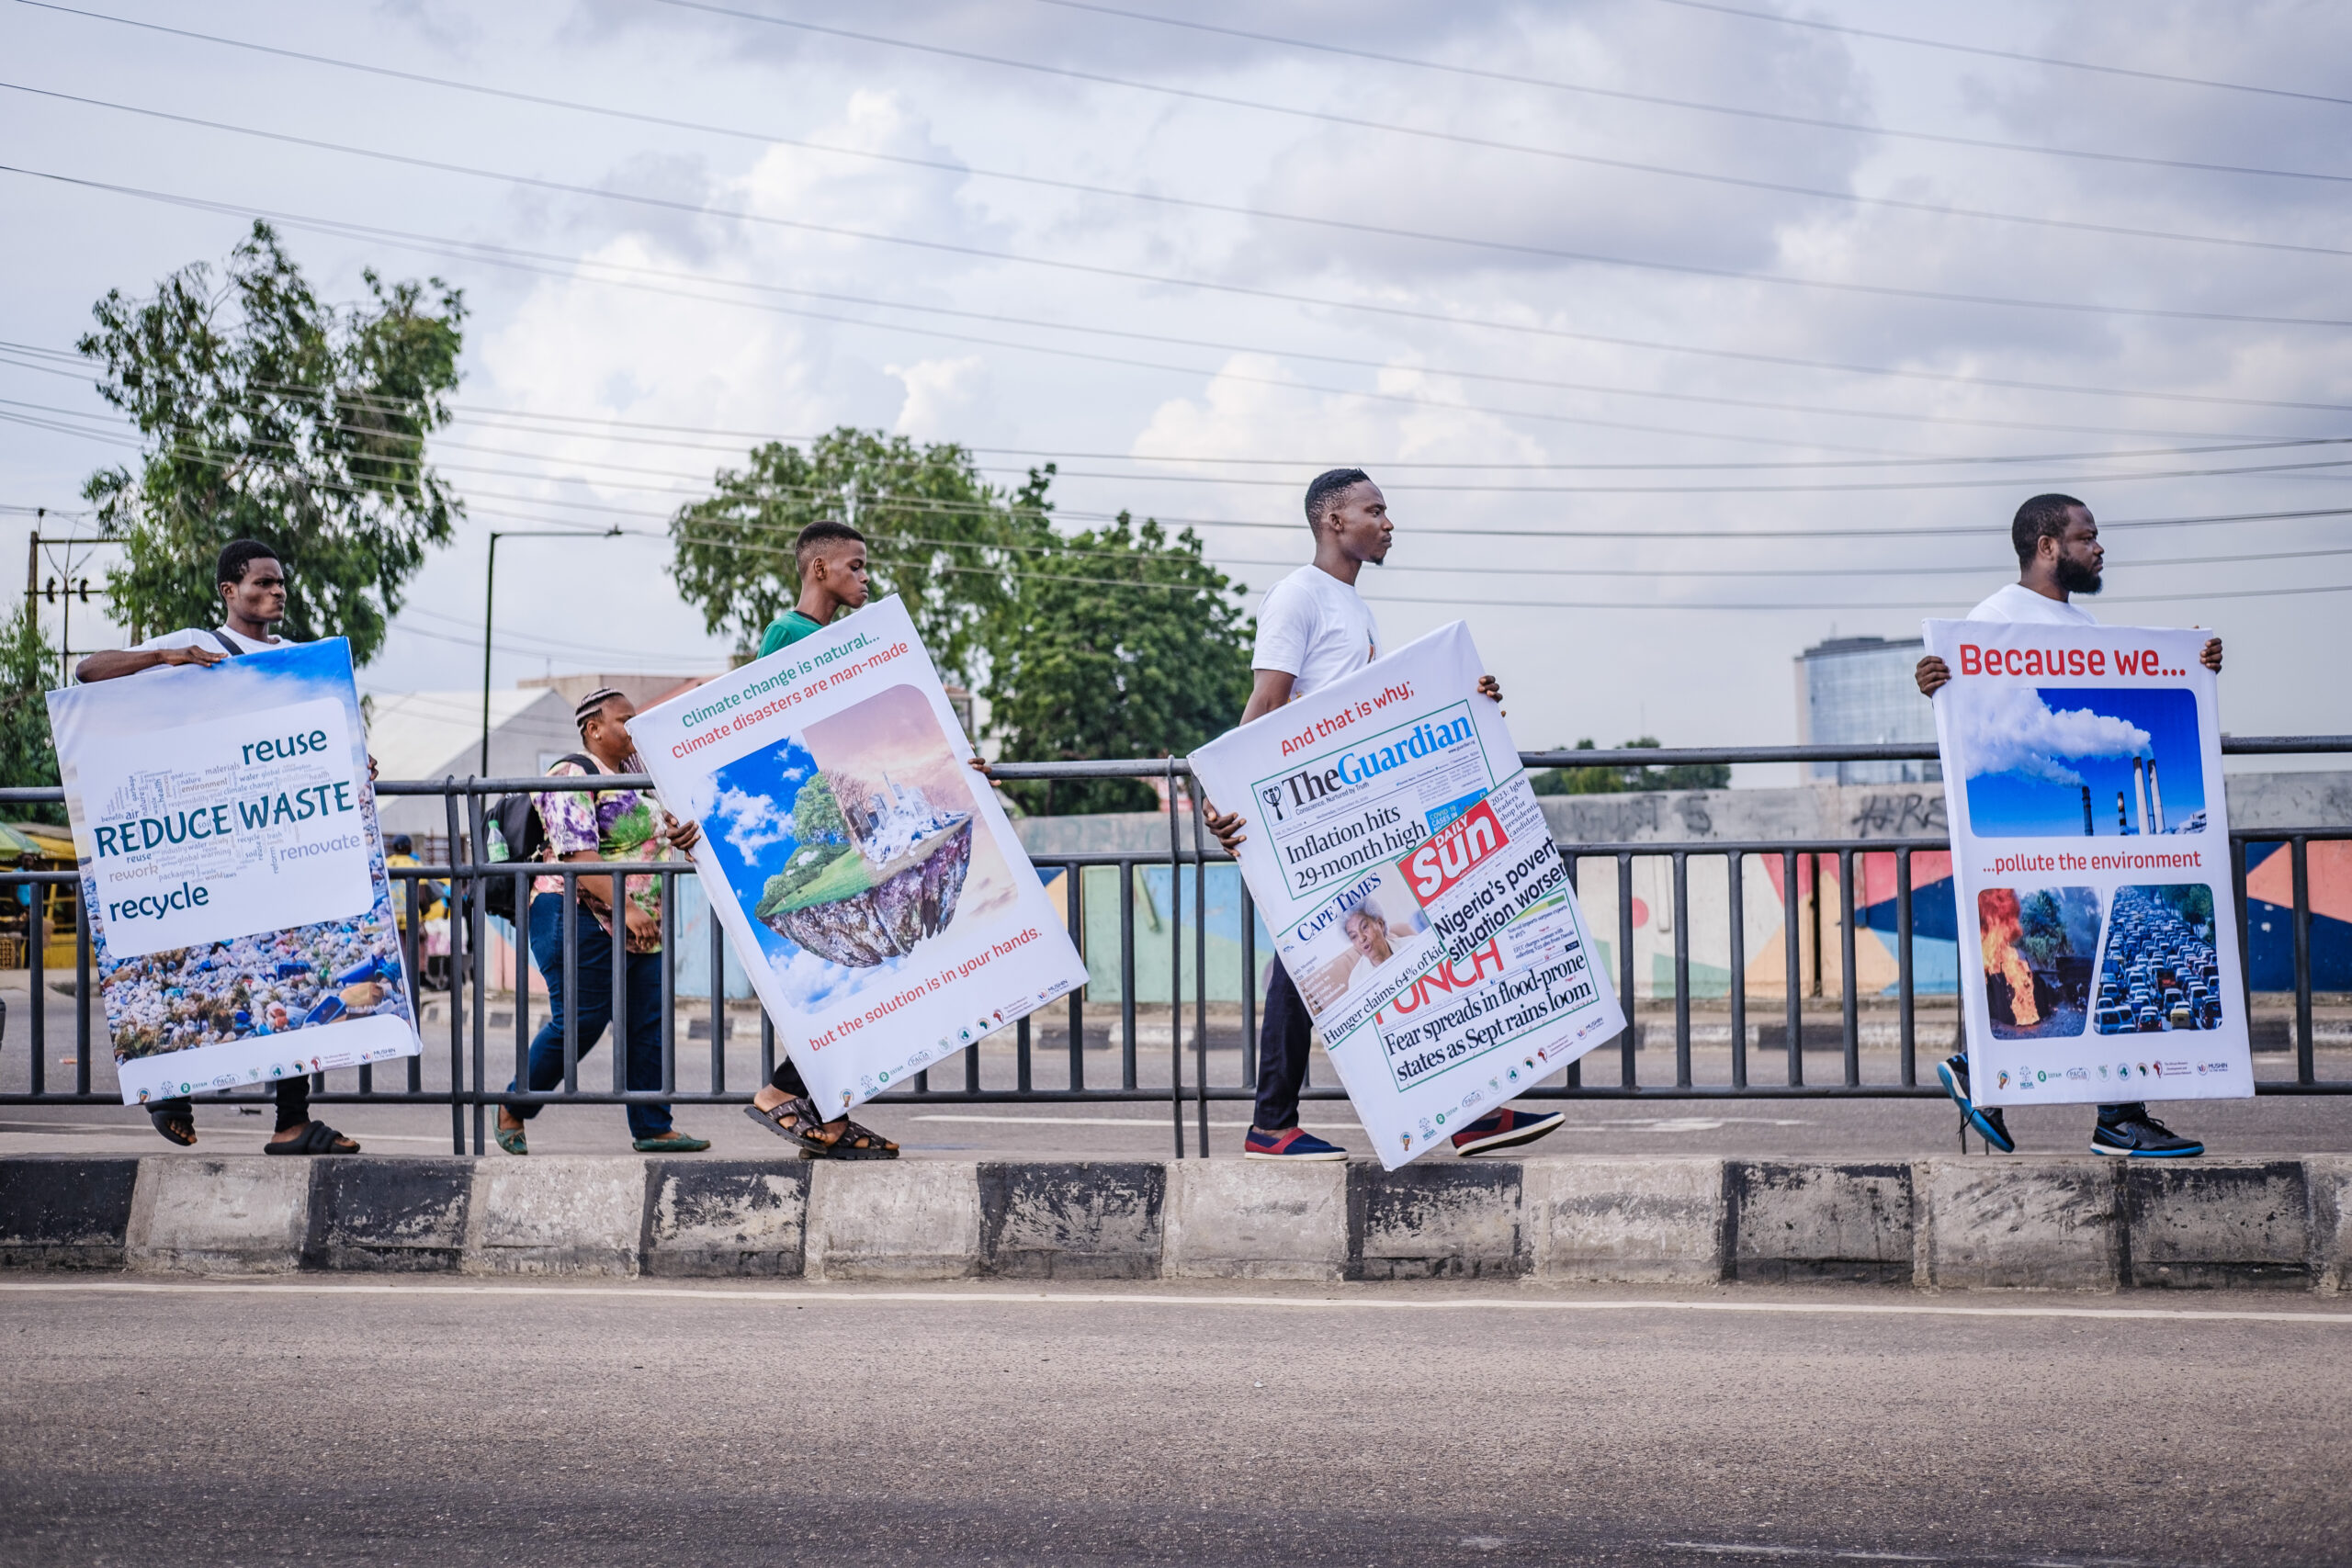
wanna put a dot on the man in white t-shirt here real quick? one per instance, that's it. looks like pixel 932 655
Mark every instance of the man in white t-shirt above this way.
pixel 2058 555
pixel 253 599
pixel 1313 629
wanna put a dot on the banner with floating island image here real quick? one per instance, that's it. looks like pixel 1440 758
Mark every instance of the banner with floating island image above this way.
pixel 2083 784
pixel 241 917
pixel 866 874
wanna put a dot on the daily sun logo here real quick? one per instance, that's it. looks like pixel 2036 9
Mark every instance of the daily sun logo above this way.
pixel 1460 847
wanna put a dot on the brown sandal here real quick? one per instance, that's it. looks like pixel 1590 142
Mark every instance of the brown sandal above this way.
pixel 799 1121
pixel 856 1142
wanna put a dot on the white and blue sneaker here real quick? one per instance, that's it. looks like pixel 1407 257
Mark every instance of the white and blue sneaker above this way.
pixel 1984 1121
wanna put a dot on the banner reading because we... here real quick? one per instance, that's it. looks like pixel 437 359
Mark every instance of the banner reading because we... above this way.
pixel 2091 855
pixel 866 876
pixel 240 913
pixel 1414 892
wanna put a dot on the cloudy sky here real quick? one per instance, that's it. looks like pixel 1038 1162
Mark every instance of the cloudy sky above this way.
pixel 1682 335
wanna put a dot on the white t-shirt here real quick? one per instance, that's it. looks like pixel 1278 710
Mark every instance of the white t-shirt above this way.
pixel 2019 602
pixel 201 637
pixel 1314 627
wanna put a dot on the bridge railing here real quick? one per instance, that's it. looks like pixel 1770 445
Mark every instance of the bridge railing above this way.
pixel 1870 978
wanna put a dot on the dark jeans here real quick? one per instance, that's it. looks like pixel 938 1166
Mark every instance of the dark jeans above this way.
pixel 592 997
pixel 293 1103
pixel 2124 1112
pixel 1284 1041
pixel 787 1080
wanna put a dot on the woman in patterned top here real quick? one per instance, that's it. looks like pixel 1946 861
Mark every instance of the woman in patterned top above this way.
pixel 603 825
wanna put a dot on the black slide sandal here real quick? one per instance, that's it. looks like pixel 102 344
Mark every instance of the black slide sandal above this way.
pixel 177 1126
pixel 317 1138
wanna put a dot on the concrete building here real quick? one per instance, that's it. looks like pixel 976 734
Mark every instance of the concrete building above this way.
pixel 430 735
pixel 1859 691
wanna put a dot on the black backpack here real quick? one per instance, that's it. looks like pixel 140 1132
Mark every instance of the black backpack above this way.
pixel 516 819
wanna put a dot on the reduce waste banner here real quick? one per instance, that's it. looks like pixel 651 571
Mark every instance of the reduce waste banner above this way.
pixel 869 881
pixel 2090 843
pixel 1399 858
pixel 240 913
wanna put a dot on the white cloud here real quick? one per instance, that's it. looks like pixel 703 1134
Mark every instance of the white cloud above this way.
pixel 752 822
pixel 2009 729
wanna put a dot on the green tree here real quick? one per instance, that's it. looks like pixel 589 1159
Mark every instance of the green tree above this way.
pixel 1120 642
pixel 267 414
pixel 816 816
pixel 1627 780
pixel 936 533
pixel 27 671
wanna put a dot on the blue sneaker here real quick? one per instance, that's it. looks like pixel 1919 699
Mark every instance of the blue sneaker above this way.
pixel 1505 1128
pixel 2142 1136
pixel 1985 1123
pixel 1290 1143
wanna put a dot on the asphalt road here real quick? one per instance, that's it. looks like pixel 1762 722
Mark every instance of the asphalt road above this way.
pixel 630 1424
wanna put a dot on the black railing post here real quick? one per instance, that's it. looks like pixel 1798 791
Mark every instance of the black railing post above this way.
pixel 1176 969
pixel 1849 984
pixel 1200 964
pixel 36 976
pixel 1682 969
pixel 1791 947
pixel 457 1022
pixel 1903 983
pixel 1631 1041
pixel 1126 974
pixel 476 920
pixel 2299 846
pixel 571 971
pixel 1074 915
pixel 1734 878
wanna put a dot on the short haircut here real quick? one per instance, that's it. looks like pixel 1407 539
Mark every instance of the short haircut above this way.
pixel 2043 518
pixel 594 704
pixel 818 534
pixel 1367 911
pixel 1324 490
pixel 238 554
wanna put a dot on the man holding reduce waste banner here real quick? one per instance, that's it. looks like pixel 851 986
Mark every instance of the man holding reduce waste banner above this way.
pixel 1422 916
pixel 240 911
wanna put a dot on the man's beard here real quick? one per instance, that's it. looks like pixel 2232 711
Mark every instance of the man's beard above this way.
pixel 2076 578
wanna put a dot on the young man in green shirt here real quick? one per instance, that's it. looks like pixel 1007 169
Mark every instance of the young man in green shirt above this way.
pixel 831 560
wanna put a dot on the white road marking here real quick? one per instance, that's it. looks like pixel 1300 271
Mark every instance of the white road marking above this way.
pixel 815 1295
pixel 14 1129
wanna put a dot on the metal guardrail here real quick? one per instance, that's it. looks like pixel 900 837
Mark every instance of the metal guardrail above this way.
pixel 471 1092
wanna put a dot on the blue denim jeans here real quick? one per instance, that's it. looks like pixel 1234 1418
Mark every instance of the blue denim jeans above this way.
pixel 592 996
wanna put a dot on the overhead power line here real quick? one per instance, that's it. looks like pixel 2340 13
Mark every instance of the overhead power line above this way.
pixel 1836 286
pixel 2090 66
pixel 1268 214
pixel 1586 89
pixel 1807 488
pixel 572 266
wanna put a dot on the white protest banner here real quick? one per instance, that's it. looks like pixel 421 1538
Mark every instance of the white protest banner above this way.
pixel 234 875
pixel 2082 782
pixel 875 894
pixel 1414 892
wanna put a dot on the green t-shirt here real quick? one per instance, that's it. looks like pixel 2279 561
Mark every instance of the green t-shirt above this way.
pixel 786 630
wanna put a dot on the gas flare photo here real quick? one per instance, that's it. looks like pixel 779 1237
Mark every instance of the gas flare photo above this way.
pixel 2040 948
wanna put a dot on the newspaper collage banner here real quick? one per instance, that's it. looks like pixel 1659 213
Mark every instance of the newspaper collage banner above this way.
pixel 867 877
pixel 1414 892
pixel 240 913
pixel 2083 782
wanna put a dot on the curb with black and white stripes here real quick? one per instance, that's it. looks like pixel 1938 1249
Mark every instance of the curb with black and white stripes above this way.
pixel 2074 1224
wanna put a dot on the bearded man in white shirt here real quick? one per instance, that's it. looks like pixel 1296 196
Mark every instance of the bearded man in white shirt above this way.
pixel 1313 629
pixel 2058 556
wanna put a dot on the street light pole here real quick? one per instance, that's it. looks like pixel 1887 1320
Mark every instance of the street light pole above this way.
pixel 489 606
